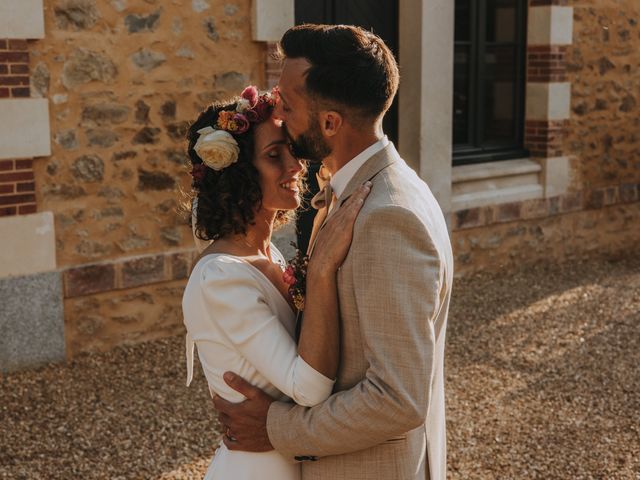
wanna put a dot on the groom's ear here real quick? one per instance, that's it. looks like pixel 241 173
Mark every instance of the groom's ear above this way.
pixel 330 122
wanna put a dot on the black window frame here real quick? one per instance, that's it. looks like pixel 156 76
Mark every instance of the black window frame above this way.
pixel 473 152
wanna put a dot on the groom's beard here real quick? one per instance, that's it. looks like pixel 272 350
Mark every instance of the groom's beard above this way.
pixel 309 145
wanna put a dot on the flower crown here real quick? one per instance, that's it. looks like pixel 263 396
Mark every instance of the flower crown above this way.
pixel 216 145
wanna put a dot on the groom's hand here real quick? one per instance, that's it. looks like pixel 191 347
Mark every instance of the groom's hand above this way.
pixel 245 424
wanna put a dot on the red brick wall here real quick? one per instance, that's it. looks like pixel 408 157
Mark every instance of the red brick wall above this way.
pixel 547 63
pixel 14 69
pixel 17 187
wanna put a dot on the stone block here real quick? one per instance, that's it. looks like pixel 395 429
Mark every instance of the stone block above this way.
pixel 180 265
pixel 467 218
pixel 571 202
pixel 21 19
pixel 628 193
pixel 548 101
pixel 508 212
pixel 550 25
pixel 23 120
pixel 89 279
pixel 28 244
pixel 271 18
pixel 142 271
pixel 31 321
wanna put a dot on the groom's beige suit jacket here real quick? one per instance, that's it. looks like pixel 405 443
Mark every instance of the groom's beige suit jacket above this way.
pixel 386 418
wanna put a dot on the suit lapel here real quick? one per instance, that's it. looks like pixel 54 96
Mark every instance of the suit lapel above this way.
pixel 381 160
pixel 378 162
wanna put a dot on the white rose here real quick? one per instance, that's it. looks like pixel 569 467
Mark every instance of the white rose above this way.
pixel 217 148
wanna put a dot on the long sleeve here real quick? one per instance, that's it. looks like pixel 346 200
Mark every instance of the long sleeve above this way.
pixel 237 309
pixel 398 292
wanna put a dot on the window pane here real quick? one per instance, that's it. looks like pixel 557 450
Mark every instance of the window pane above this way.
pixel 463 21
pixel 501 20
pixel 461 95
pixel 499 93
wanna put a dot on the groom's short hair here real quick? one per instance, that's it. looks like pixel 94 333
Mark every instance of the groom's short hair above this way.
pixel 349 65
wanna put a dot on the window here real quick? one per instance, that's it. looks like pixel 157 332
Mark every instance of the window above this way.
pixel 489 80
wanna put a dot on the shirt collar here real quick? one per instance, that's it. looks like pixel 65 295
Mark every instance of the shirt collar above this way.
pixel 341 178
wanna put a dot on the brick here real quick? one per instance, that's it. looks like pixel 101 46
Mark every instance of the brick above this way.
pixel 25 209
pixel 571 202
pixel 19 68
pixel 21 92
pixel 24 164
pixel 14 57
pixel 14 80
pixel 7 188
pixel 508 212
pixel 595 199
pixel 16 199
pixel 89 279
pixel 7 211
pixel 536 208
pixel 4 93
pixel 142 271
pixel 15 177
pixel 3 44
pixel 468 218
pixel 6 165
pixel 18 45
pixel 4 69
pixel 611 196
pixel 628 193
pixel 26 187
pixel 180 263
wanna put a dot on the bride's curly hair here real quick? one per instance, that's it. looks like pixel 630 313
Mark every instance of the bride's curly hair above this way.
pixel 227 199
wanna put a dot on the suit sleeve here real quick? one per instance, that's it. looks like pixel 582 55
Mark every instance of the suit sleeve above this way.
pixel 237 307
pixel 397 272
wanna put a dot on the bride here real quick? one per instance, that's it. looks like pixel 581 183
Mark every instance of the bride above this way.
pixel 237 307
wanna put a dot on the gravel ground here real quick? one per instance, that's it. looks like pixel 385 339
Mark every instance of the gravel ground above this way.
pixel 543 382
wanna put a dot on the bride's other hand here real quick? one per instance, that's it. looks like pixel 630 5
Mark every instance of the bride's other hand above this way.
pixel 334 239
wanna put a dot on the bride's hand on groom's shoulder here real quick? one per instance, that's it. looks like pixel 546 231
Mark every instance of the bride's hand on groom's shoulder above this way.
pixel 334 239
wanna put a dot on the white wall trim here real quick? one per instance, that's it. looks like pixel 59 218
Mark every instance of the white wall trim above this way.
pixel 550 25
pixel 271 18
pixel 28 244
pixel 556 175
pixel 426 92
pixel 496 182
pixel 548 101
pixel 25 131
pixel 22 19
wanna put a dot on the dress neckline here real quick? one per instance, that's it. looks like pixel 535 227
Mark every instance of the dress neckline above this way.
pixel 256 269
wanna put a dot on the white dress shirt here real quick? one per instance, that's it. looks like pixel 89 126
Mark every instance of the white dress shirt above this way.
pixel 341 178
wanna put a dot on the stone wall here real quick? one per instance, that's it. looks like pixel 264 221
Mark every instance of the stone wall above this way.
pixel 124 79
pixel 604 70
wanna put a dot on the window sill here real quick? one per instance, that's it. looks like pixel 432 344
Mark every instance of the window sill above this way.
pixel 492 183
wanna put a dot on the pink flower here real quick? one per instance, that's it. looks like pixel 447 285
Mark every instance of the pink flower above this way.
pixel 261 111
pixel 289 276
pixel 242 123
pixel 251 94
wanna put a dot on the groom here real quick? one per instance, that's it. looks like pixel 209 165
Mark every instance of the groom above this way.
pixel 386 417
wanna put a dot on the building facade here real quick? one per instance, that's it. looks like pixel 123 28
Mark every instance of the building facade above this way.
pixel 521 115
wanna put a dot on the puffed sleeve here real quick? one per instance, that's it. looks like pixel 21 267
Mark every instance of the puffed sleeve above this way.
pixel 238 308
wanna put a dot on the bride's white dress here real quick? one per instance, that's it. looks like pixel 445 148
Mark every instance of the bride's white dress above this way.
pixel 240 322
